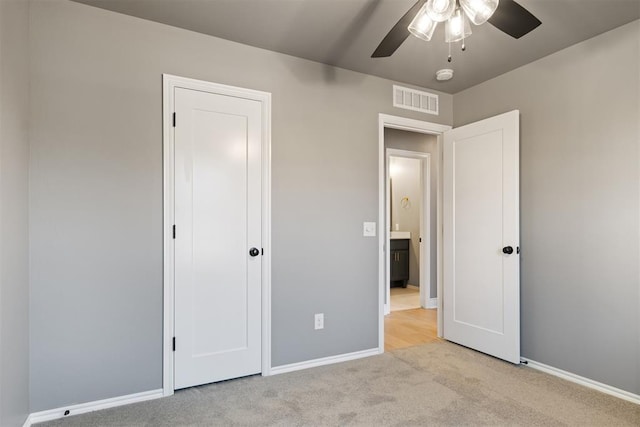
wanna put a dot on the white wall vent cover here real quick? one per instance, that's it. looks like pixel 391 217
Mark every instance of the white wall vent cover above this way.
pixel 415 100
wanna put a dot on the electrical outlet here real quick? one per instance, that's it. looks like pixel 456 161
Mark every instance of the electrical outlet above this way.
pixel 319 321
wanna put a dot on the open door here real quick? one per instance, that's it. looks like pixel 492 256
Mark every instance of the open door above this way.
pixel 481 292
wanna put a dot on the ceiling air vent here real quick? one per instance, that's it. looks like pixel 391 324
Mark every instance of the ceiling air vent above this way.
pixel 415 100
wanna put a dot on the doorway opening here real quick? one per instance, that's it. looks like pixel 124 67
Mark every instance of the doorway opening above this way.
pixel 409 215
pixel 477 234
pixel 411 222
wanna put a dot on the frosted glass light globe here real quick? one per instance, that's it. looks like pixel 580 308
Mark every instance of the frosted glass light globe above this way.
pixel 440 10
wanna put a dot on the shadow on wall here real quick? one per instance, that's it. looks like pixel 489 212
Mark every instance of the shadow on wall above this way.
pixel 340 47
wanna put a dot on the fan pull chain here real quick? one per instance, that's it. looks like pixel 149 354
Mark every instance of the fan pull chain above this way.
pixel 449 57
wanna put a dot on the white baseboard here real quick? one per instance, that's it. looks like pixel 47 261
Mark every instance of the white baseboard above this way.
pixel 83 408
pixel 324 361
pixel 595 385
pixel 432 303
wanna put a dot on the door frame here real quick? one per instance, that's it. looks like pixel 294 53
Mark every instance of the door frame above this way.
pixel 418 126
pixel 424 260
pixel 169 84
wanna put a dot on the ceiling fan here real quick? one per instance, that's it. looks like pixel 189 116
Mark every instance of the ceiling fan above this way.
pixel 422 19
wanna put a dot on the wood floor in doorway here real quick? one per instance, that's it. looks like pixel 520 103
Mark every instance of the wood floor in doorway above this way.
pixel 408 327
pixel 405 298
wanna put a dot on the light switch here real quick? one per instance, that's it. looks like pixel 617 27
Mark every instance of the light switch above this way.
pixel 369 229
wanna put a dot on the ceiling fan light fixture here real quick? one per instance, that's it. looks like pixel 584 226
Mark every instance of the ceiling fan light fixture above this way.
pixel 512 19
pixel 422 25
pixel 457 27
pixel 440 10
pixel 479 11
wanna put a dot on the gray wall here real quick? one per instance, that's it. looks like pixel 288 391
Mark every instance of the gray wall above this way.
pixel 14 239
pixel 413 141
pixel 406 183
pixel 579 193
pixel 96 193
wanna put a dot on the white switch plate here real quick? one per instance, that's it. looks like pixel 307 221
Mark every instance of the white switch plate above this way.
pixel 319 321
pixel 369 229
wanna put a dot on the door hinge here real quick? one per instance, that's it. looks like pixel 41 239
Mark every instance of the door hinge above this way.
pixel 174 343
pixel 174 231
pixel 174 119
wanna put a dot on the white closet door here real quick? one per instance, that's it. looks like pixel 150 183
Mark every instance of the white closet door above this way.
pixel 218 221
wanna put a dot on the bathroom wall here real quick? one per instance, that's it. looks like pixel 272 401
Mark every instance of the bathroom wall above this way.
pixel 413 141
pixel 406 207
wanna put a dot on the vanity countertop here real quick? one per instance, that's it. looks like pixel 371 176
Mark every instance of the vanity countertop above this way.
pixel 400 235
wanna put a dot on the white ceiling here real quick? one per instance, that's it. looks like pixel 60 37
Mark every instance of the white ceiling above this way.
pixel 345 33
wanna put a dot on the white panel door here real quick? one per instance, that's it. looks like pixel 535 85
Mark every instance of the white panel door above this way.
pixel 481 292
pixel 218 221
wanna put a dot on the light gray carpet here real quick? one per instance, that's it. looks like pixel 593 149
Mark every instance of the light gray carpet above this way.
pixel 433 384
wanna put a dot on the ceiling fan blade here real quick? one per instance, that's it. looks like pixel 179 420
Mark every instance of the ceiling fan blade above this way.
pixel 513 19
pixel 398 33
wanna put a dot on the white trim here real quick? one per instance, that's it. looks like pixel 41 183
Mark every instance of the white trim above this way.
pixel 323 361
pixel 586 382
pixel 168 216
pixel 439 244
pixel 29 421
pixel 386 300
pixel 96 405
pixel 171 82
pixel 266 235
pixel 402 123
pixel 425 221
pixel 432 303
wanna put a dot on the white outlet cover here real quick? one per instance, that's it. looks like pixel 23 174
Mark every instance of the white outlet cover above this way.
pixel 319 321
pixel 369 229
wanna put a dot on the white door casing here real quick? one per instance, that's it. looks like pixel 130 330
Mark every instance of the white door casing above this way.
pixel 481 292
pixel 225 162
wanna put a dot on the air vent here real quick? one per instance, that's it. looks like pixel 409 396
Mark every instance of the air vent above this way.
pixel 415 100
